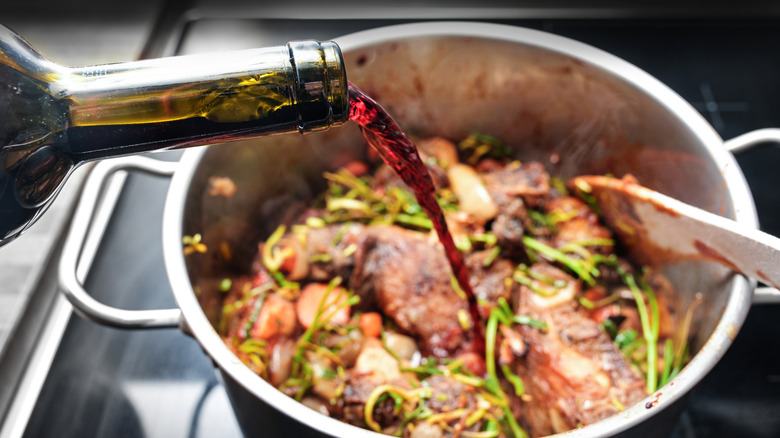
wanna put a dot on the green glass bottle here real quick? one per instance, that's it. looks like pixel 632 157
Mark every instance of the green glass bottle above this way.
pixel 54 118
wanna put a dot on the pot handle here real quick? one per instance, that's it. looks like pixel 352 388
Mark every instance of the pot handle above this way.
pixel 743 143
pixel 84 222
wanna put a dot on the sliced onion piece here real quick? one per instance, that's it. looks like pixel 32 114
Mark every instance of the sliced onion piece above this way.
pixel 472 194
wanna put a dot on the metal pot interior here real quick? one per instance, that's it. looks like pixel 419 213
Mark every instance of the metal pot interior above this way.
pixel 577 111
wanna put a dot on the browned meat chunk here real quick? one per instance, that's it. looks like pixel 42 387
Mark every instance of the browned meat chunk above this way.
pixel 409 279
pixel 404 275
pixel 489 282
pixel 577 223
pixel 509 226
pixel 573 373
pixel 449 394
pixel 513 187
pixel 529 181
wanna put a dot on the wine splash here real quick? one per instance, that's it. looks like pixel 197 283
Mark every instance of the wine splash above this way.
pixel 395 148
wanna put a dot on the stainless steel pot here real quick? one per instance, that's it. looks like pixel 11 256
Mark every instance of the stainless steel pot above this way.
pixel 571 106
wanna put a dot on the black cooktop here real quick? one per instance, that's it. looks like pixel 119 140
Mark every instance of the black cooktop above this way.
pixel 159 383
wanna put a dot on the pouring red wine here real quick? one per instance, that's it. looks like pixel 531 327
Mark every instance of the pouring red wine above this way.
pixel 395 148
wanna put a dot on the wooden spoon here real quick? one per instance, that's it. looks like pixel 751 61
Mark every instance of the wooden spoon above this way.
pixel 658 229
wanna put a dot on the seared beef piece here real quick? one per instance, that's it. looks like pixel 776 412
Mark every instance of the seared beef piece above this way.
pixel 573 372
pixel 577 223
pixel 513 187
pixel 448 394
pixel 529 181
pixel 489 282
pixel 405 276
pixel 510 224
pixel 409 279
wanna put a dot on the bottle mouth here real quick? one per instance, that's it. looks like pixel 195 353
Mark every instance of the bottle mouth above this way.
pixel 321 89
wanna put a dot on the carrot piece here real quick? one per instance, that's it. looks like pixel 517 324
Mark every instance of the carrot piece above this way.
pixel 309 303
pixel 357 168
pixel 288 263
pixel 371 324
pixel 276 317
pixel 473 362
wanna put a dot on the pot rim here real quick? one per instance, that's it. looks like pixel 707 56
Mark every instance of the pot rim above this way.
pixel 734 314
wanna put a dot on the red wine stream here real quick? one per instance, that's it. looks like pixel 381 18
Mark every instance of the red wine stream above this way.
pixel 395 148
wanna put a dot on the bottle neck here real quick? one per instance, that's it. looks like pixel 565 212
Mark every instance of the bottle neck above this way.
pixel 127 108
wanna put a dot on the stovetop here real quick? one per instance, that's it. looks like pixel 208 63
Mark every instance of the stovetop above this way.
pixel 159 383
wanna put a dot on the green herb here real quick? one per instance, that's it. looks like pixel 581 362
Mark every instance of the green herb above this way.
pixel 421 412
pixel 254 346
pixel 320 320
pixel 514 379
pixel 491 331
pixel 668 361
pixel 322 257
pixel 464 319
pixel 527 320
pixel 414 221
pixel 348 204
pixel 610 328
pixel 255 313
pixel 347 179
pixel 625 338
pixel 507 313
pixel 350 249
pixel 575 265
pixel 559 186
pixel 284 283
pixel 650 333
pixel 488 239
pixel 225 285
pixel 523 278
pixel 586 303
pixel 456 287
pixel 361 203
pixel 315 222
pixel 272 256
pixel 509 418
pixel 478 146
pixel 491 257
pixel 339 235
pixel 584 190
pixel 424 371
pixel 556 217
pixel 541 221
pixel 192 244
pixel 491 382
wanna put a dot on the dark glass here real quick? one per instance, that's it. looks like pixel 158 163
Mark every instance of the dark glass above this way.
pixel 54 118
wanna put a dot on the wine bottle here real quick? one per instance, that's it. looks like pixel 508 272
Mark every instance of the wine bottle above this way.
pixel 55 118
